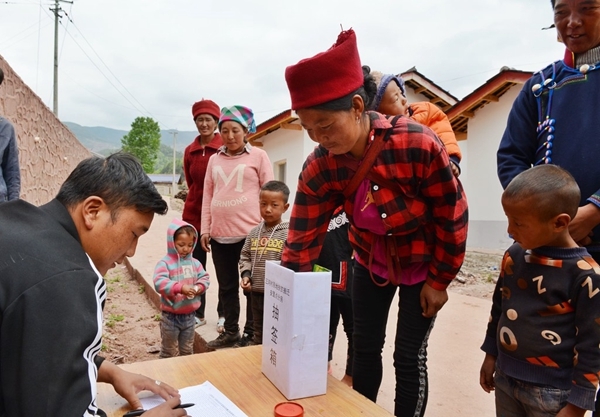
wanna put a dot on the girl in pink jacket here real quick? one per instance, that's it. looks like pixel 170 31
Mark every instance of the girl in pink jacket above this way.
pixel 179 278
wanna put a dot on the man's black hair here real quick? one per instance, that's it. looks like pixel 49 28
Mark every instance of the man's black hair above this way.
pixel 118 179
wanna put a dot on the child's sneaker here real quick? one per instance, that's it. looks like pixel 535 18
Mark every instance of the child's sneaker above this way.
pixel 244 341
pixel 224 340
pixel 221 325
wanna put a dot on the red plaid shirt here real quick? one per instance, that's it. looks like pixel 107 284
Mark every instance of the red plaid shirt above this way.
pixel 428 220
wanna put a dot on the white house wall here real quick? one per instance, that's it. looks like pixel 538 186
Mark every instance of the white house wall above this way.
pixel 291 146
pixel 487 222
pixel 412 97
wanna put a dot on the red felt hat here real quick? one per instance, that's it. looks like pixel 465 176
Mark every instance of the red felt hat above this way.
pixel 206 107
pixel 327 76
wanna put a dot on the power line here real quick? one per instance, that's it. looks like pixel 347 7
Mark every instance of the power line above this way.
pixel 103 74
pixel 62 47
pixel 56 10
pixel 73 79
pixel 97 67
pixel 489 71
pixel 3 44
pixel 113 74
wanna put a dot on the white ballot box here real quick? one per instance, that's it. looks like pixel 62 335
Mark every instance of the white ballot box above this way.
pixel 296 330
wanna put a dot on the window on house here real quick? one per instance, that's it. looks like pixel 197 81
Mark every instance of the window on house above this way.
pixel 280 168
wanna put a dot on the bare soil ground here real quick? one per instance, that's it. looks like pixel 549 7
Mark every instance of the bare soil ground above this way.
pixel 478 275
pixel 131 322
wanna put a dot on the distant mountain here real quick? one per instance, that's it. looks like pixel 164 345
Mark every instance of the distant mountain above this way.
pixel 99 138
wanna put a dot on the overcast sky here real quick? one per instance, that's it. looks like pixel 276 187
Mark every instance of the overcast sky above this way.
pixel 120 59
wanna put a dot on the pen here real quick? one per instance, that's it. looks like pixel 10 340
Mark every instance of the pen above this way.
pixel 186 405
pixel 136 413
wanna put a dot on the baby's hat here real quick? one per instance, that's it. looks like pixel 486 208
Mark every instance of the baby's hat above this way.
pixel 382 81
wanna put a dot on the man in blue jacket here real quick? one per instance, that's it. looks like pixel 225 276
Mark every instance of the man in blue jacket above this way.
pixel 10 175
pixel 556 119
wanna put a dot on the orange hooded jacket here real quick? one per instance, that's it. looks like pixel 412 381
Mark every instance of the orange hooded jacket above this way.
pixel 433 117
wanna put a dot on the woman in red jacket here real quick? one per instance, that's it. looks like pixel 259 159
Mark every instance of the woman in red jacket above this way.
pixel 195 159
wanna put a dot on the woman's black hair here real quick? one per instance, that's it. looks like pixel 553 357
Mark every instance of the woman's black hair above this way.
pixel 367 92
pixel 369 85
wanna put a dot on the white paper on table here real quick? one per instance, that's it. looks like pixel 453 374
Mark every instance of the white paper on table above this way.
pixel 207 400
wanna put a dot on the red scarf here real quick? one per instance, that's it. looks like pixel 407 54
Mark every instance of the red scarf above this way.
pixel 569 58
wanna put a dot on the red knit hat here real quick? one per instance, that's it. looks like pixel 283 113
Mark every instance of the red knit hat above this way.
pixel 327 76
pixel 206 107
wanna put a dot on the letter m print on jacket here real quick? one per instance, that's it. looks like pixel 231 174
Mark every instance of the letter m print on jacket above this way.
pixel 238 172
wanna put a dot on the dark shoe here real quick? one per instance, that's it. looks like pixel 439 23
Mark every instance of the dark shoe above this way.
pixel 245 341
pixel 224 340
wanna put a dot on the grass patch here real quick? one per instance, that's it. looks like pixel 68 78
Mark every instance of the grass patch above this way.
pixel 114 279
pixel 117 317
pixel 113 319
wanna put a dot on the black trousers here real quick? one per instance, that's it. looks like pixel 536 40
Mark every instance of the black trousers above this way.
pixel 371 305
pixel 342 306
pixel 226 257
pixel 200 254
pixel 258 301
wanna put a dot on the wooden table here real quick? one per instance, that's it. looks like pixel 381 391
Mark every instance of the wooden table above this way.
pixel 236 373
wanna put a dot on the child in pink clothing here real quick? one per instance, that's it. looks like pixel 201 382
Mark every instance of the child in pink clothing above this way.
pixel 179 278
pixel 230 209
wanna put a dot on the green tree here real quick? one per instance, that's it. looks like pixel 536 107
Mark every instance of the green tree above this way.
pixel 143 141
pixel 168 167
pixel 164 161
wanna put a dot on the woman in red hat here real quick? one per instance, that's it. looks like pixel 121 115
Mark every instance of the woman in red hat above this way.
pixel 407 211
pixel 195 160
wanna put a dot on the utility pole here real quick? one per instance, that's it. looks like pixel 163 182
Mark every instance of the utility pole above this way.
pixel 56 10
pixel 174 133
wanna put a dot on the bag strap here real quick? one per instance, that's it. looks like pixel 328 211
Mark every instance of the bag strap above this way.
pixel 364 171
pixel 368 160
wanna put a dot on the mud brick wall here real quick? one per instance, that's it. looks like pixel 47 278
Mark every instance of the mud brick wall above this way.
pixel 48 150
